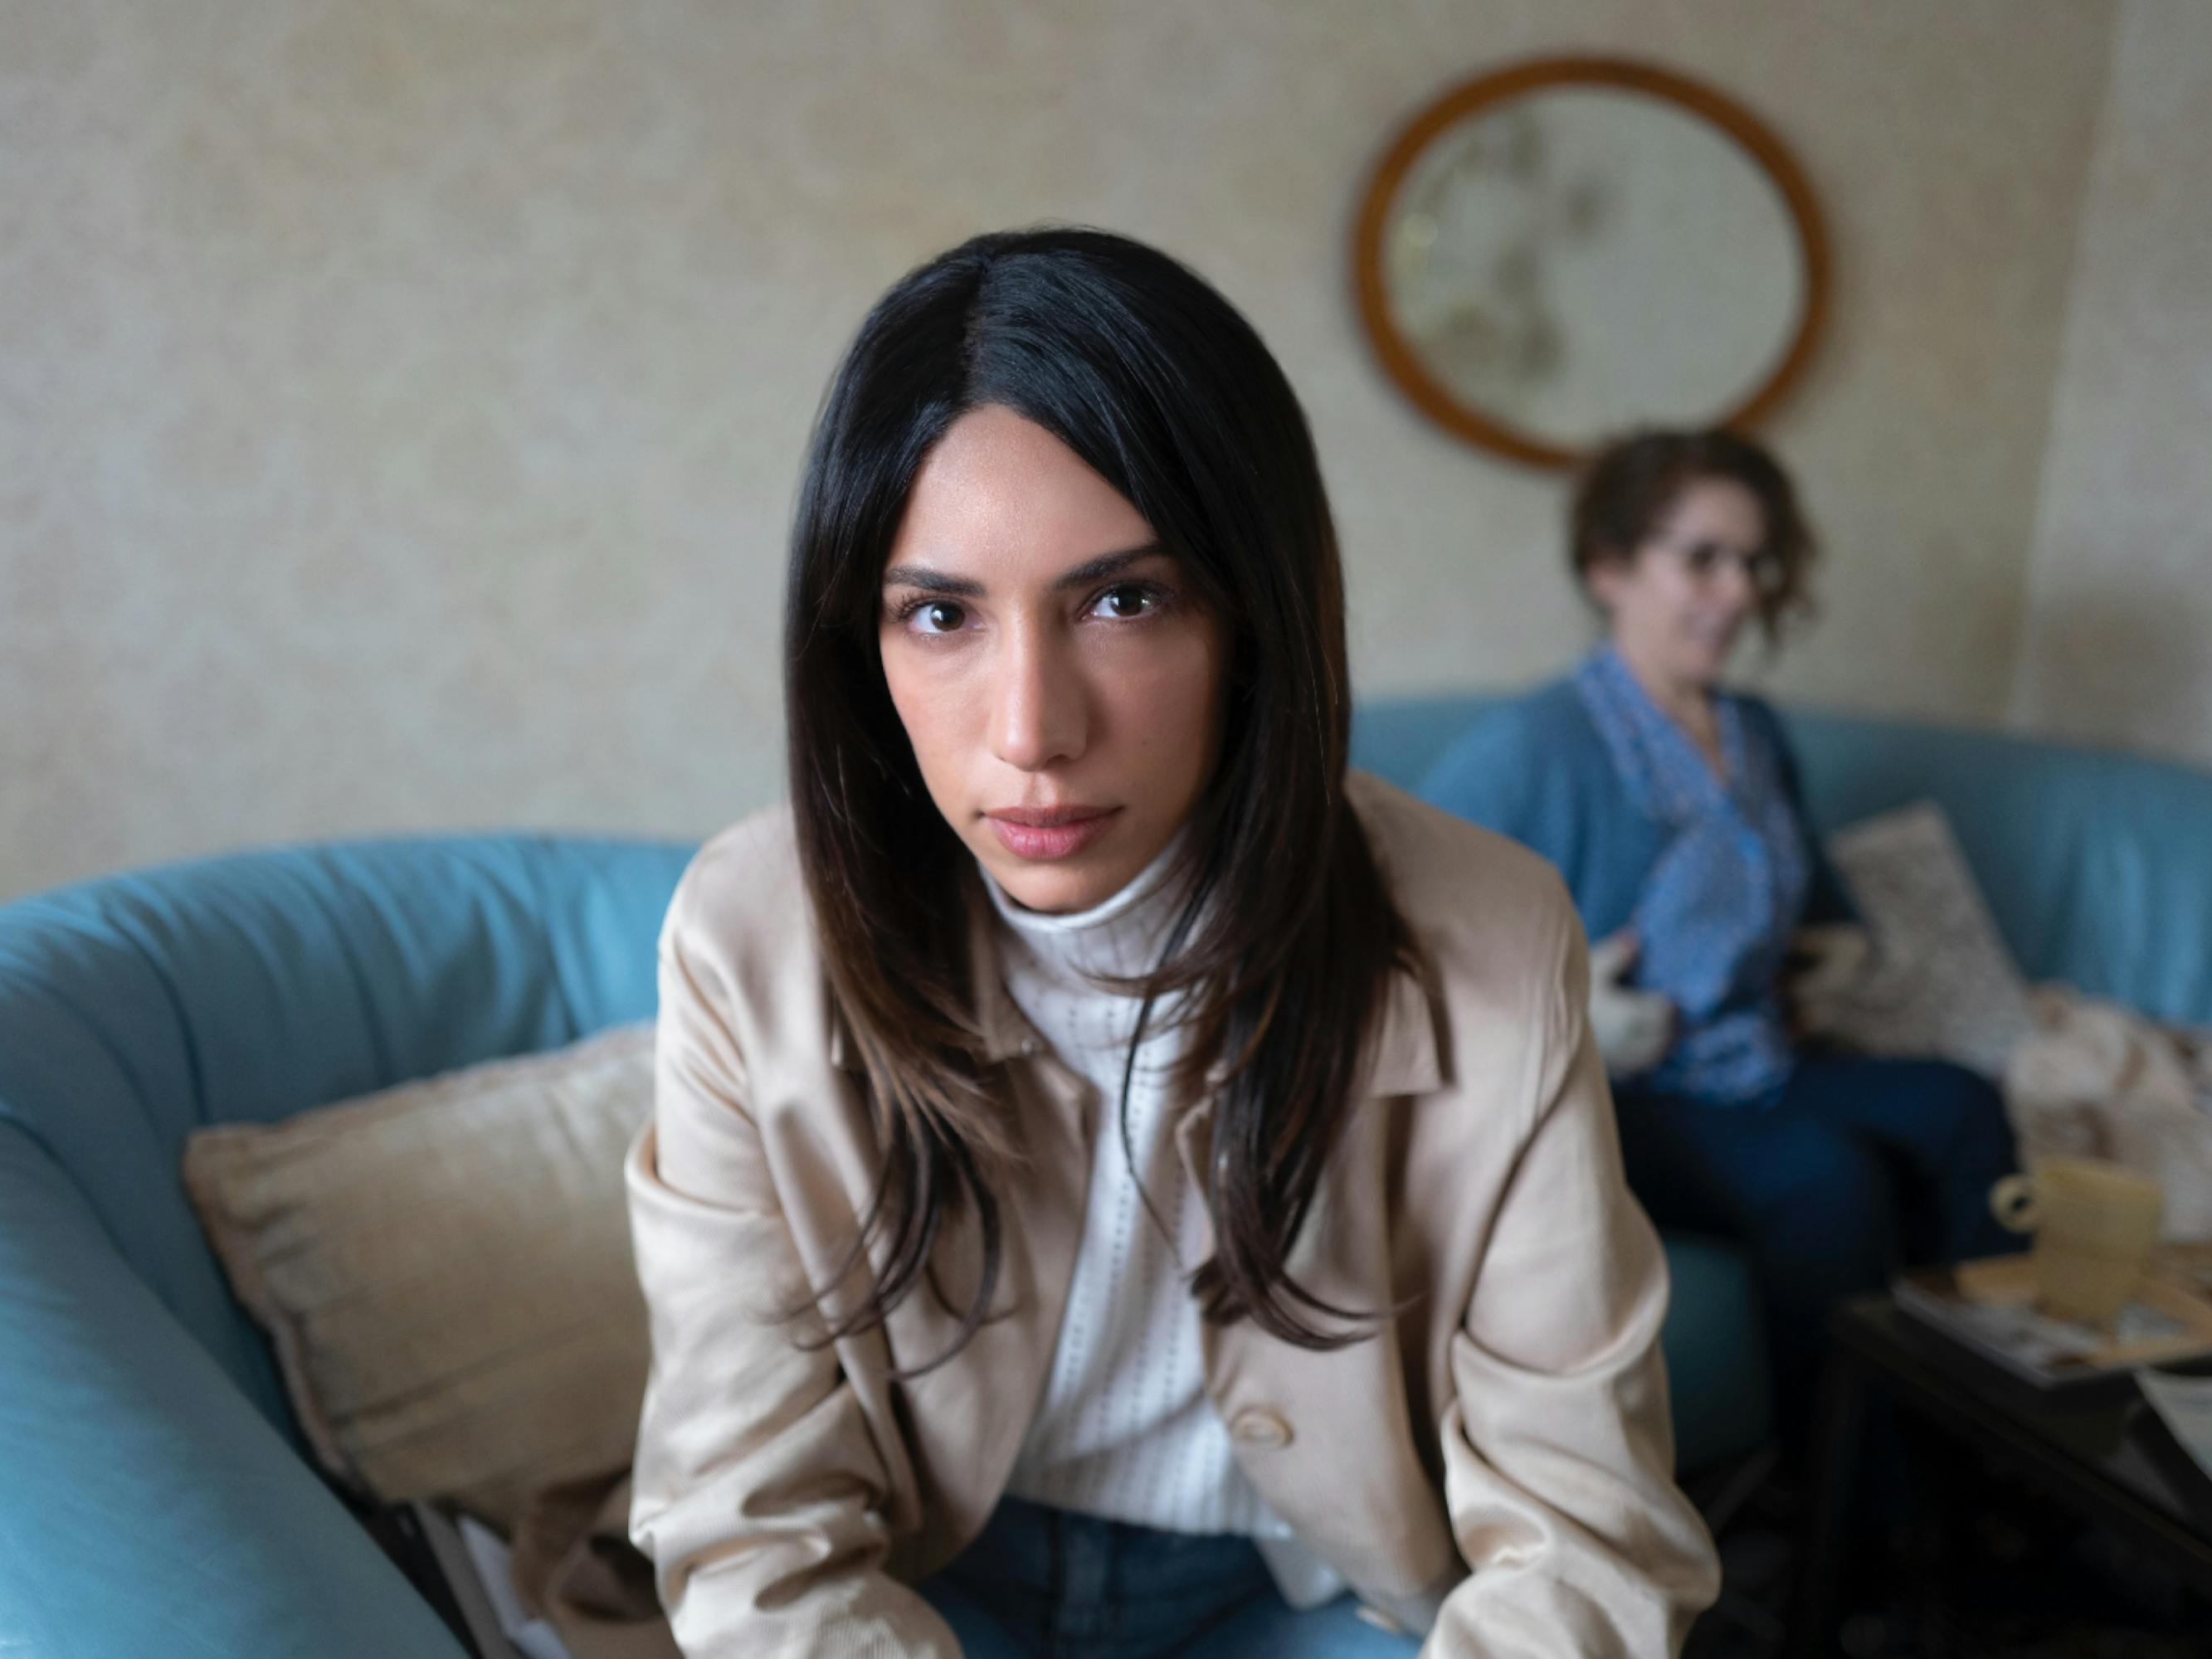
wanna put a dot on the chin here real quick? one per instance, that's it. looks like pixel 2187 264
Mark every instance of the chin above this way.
pixel 1056 890
pixel 1703 664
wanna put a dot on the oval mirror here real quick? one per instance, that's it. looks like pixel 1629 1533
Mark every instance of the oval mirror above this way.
pixel 1554 252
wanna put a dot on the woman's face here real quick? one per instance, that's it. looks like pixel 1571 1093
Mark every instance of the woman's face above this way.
pixel 1677 603
pixel 1059 681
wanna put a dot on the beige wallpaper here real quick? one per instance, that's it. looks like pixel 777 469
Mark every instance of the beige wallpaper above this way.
pixel 400 402
pixel 2119 643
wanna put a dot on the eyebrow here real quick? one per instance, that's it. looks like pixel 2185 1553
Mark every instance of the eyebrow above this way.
pixel 967 587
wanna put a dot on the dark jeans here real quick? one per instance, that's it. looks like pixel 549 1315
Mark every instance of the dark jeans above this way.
pixel 1043 1583
pixel 1861 1167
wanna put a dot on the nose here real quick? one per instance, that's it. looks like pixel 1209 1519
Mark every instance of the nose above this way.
pixel 1038 716
pixel 1732 582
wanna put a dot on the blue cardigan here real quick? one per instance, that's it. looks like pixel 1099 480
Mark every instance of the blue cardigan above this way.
pixel 1537 770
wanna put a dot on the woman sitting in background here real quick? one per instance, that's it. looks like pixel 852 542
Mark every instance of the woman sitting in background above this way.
pixel 1672 807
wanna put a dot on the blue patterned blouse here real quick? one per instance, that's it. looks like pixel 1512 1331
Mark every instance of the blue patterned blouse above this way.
pixel 1718 908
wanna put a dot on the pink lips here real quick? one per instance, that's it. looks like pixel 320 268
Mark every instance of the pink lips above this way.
pixel 1051 832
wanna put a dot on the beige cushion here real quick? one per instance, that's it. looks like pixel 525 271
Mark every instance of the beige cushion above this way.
pixel 445 1268
pixel 1941 982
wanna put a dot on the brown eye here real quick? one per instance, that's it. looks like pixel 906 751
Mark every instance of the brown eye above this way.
pixel 939 616
pixel 1125 603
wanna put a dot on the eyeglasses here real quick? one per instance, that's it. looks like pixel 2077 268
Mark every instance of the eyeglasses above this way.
pixel 1762 566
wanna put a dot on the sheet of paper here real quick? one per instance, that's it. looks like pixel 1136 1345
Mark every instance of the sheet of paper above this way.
pixel 2185 1405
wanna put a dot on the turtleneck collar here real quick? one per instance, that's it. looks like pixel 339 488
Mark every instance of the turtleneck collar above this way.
pixel 1121 934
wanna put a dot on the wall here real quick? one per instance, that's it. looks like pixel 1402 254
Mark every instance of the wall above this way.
pixel 2119 639
pixel 400 405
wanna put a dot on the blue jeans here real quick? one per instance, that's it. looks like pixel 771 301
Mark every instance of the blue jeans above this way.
pixel 1859 1168
pixel 1044 1583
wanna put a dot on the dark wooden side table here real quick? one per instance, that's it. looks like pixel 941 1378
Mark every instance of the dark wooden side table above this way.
pixel 2096 1448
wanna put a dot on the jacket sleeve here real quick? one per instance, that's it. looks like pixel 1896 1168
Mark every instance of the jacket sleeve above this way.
pixel 759 1493
pixel 1559 1450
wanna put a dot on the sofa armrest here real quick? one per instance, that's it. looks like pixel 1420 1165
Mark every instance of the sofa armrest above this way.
pixel 147 1507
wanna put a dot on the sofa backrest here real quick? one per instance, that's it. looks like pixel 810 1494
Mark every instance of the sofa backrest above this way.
pixel 2097 865
pixel 135 1009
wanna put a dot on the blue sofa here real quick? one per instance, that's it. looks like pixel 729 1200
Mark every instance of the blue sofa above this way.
pixel 153 1496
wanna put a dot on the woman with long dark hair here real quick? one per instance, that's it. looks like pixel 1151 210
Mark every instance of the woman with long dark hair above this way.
pixel 1118 1184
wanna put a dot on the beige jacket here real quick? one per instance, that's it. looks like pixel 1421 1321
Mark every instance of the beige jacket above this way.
pixel 1496 1469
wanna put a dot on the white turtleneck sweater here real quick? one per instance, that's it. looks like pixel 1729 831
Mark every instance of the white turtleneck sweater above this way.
pixel 1125 1431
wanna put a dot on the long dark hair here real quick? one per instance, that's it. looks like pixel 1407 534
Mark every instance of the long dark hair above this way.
pixel 1289 934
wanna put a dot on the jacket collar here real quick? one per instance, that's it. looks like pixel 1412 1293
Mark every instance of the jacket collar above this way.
pixel 1408 1052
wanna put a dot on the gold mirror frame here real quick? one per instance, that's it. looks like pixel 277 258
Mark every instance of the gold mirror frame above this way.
pixel 1404 364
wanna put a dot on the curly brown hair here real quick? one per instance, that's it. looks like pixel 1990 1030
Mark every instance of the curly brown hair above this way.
pixel 1634 483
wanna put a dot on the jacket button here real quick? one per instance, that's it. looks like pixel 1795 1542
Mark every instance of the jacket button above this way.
pixel 1263 1429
